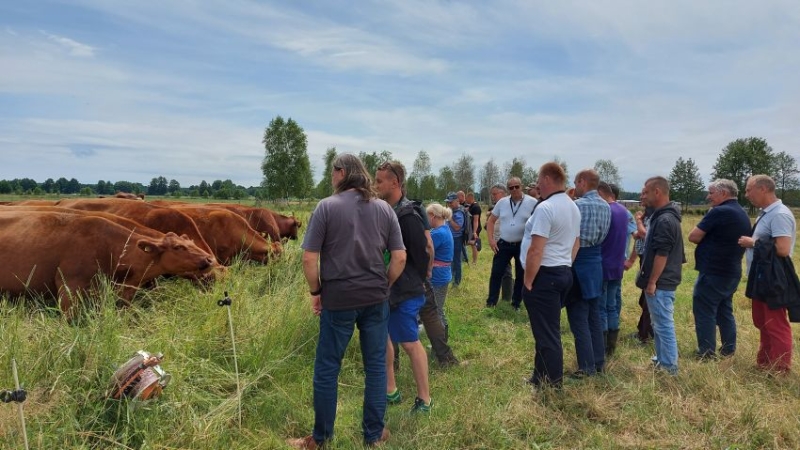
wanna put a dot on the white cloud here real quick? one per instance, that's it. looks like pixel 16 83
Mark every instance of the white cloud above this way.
pixel 74 48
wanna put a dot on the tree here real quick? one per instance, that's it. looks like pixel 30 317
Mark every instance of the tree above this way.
pixel 446 182
pixel 412 188
pixel 49 185
pixel 374 160
pixel 684 181
pixel 5 187
pixel 173 186
pixel 563 165
pixel 286 168
pixel 608 171
pixel 515 168
pixel 743 158
pixel 490 175
pixel 158 186
pixel 422 166
pixel 464 173
pixel 427 188
pixel 73 187
pixel 324 188
pixel 785 173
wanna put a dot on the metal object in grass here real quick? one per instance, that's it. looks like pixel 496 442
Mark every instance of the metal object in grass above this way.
pixel 141 377
pixel 227 302
pixel 18 396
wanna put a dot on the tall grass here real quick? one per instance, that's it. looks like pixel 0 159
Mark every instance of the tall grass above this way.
pixel 482 405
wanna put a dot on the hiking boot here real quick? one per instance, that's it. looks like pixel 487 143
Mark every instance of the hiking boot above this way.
pixel 394 398
pixel 420 406
pixel 385 435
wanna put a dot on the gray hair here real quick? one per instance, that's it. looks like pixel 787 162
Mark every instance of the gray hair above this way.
pixel 500 186
pixel 727 186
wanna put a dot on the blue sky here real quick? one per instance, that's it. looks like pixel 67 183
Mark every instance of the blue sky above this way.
pixel 113 90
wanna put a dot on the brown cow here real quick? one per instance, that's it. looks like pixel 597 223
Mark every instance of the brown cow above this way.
pixel 159 218
pixel 288 226
pixel 129 196
pixel 218 269
pixel 229 234
pixel 260 219
pixel 60 254
pixel 278 227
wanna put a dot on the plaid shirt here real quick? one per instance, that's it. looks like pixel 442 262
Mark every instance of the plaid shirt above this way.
pixel 595 218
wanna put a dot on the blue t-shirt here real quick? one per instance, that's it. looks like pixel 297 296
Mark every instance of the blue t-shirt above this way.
pixel 719 252
pixel 458 217
pixel 442 252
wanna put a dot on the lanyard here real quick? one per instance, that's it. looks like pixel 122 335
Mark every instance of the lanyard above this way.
pixel 511 204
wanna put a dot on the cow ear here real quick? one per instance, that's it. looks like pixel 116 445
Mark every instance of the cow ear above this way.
pixel 148 246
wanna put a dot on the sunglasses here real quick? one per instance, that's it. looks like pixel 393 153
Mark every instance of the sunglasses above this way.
pixel 511 188
pixel 390 167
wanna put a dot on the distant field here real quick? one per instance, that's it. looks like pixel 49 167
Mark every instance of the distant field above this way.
pixel 483 405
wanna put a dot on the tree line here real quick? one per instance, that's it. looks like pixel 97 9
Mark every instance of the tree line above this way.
pixel 287 170
pixel 159 186
pixel 287 174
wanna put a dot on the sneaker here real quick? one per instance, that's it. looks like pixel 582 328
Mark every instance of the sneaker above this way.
pixel 385 435
pixel 394 398
pixel 420 406
pixel 304 443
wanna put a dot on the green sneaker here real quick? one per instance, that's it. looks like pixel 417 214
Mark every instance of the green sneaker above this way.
pixel 421 407
pixel 394 398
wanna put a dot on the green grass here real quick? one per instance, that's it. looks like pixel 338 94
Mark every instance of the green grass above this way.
pixel 483 405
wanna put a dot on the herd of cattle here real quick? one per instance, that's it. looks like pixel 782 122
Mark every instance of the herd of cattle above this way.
pixel 59 247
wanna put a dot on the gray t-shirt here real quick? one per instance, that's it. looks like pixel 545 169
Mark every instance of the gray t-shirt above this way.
pixel 351 234
pixel 776 220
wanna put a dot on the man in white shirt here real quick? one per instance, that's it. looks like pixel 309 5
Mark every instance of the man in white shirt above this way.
pixel 551 241
pixel 512 212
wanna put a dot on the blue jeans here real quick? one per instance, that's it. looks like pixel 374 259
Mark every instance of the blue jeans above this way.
pixel 455 266
pixel 611 304
pixel 584 321
pixel 712 304
pixel 662 308
pixel 335 331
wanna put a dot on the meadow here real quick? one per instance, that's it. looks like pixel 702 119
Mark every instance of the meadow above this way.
pixel 484 404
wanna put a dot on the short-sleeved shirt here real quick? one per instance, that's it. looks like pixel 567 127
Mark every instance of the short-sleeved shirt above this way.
pixel 513 216
pixel 458 217
pixel 558 220
pixel 350 235
pixel 776 220
pixel 595 218
pixel 632 228
pixel 442 253
pixel 475 210
pixel 719 252
pixel 614 246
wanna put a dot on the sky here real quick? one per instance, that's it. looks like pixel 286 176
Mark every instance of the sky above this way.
pixel 121 90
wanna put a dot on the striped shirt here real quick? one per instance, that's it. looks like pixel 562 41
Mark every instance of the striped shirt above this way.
pixel 595 218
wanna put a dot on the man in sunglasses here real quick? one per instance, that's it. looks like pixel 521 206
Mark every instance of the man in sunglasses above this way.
pixel 512 211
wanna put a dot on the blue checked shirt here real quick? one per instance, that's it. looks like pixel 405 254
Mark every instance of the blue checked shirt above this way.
pixel 595 218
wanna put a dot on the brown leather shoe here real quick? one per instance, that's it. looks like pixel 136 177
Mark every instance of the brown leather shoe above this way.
pixel 305 443
pixel 385 435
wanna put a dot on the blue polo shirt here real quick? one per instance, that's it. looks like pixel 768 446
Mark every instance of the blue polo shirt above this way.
pixel 719 252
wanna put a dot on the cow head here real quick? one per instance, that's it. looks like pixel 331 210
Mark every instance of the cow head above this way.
pixel 177 255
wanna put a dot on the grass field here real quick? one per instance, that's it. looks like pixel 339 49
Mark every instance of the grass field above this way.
pixel 482 405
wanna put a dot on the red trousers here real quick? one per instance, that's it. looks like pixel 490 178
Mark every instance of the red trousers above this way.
pixel 775 346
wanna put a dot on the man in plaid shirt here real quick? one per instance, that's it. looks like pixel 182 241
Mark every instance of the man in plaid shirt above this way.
pixel 583 310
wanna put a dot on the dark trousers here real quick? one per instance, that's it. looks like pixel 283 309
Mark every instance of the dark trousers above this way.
pixel 434 328
pixel 507 285
pixel 543 303
pixel 644 329
pixel 584 321
pixel 712 305
pixel 505 252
